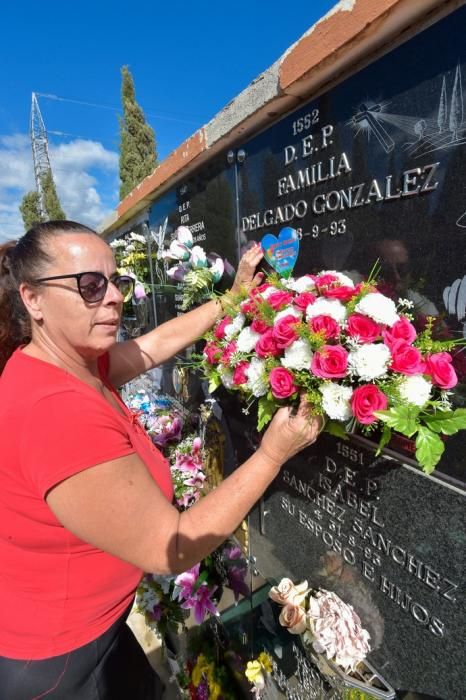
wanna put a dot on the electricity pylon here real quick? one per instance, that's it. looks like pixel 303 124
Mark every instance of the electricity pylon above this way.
pixel 40 150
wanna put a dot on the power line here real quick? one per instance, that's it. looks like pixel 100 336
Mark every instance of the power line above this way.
pixel 98 105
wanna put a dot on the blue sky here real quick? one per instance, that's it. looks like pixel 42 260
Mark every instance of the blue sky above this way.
pixel 188 60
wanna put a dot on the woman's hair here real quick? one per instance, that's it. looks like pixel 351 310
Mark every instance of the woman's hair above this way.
pixel 24 261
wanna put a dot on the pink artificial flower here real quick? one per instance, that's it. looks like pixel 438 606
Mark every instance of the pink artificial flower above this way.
pixel 406 359
pixel 365 400
pixel 341 291
pixel 327 324
pixel 279 299
pixel 401 330
pixel 219 331
pixel 266 345
pixel 240 373
pixel 201 602
pixel 284 331
pixel 439 367
pixel 282 383
pixel 186 581
pixel 303 300
pixel 259 326
pixel 212 353
pixel 330 362
pixel 228 352
pixel 325 280
pixel 363 328
pixel 293 617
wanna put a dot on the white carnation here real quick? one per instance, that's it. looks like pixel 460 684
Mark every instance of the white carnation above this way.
pixel 267 292
pixel 118 243
pixel 257 379
pixel 415 389
pixel 288 311
pixel 139 238
pixel 327 307
pixel 300 285
pixel 234 327
pixel 247 339
pixel 378 307
pixel 343 279
pixel 298 355
pixel 335 400
pixel 226 375
pixel 369 361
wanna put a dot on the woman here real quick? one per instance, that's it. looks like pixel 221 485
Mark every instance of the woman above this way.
pixel 85 497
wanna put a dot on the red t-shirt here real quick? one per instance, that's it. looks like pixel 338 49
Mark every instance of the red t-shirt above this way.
pixel 56 591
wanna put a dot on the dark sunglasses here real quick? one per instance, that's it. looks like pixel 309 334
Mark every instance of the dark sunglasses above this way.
pixel 92 286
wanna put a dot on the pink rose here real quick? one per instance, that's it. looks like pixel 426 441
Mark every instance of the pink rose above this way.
pixel 401 330
pixel 248 306
pixel 219 331
pixel 228 352
pixel 293 617
pixel 266 345
pixel 330 362
pixel 212 352
pixel 259 326
pixel 303 300
pixel 282 383
pixel 325 280
pixel 287 592
pixel 239 375
pixel 279 299
pixel 260 289
pixel 365 400
pixel 439 367
pixel 284 331
pixel 406 359
pixel 342 292
pixel 363 328
pixel 327 324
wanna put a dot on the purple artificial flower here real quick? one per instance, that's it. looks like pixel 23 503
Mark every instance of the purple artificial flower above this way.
pixel 201 603
pixel 236 582
pixel 202 690
pixel 186 582
pixel 156 612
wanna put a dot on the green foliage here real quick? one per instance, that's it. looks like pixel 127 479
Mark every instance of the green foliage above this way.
pixel 51 202
pixel 334 427
pixel 138 154
pixel 429 449
pixel 446 422
pixel 266 409
pixel 404 419
pixel 30 210
pixel 196 285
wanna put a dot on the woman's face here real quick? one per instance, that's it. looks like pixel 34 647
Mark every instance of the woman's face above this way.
pixel 65 319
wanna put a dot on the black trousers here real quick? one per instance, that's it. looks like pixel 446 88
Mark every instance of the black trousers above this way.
pixel 112 667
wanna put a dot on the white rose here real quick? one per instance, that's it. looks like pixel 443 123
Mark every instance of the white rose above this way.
pixel 369 361
pixel 378 307
pixel 288 311
pixel 257 379
pixel 327 307
pixel 415 389
pixel 336 400
pixel 299 285
pixel 343 279
pixel 247 339
pixel 234 327
pixel 298 355
pixel 177 251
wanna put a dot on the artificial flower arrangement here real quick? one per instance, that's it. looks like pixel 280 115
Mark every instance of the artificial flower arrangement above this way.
pixel 165 601
pixel 351 350
pixel 327 626
pixel 197 271
pixel 132 259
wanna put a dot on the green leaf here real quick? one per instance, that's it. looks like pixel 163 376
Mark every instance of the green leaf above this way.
pixel 404 419
pixel 200 580
pixel 334 427
pixel 265 413
pixel 446 422
pixel 429 449
pixel 384 439
pixel 214 383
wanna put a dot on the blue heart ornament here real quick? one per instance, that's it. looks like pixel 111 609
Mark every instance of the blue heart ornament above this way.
pixel 281 253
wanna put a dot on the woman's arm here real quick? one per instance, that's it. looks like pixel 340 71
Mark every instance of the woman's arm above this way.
pixel 118 508
pixel 133 357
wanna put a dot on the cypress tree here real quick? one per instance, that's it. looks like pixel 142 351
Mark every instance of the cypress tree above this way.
pixel 30 210
pixel 138 155
pixel 51 201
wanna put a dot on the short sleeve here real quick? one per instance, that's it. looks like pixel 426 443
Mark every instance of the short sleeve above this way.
pixel 68 432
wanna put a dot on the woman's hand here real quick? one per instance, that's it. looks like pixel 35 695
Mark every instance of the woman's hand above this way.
pixel 245 277
pixel 290 433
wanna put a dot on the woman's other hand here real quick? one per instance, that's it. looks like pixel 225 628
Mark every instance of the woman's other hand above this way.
pixel 245 277
pixel 289 433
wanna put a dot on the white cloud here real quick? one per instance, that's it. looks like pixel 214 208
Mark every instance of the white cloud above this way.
pixel 85 173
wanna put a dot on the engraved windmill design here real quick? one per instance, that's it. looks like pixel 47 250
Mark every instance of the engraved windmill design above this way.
pixel 446 128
